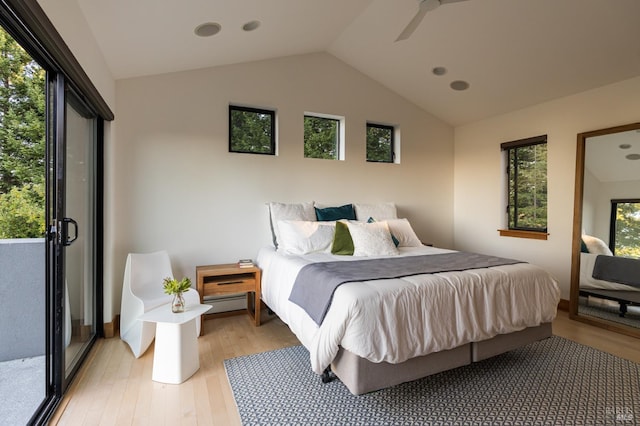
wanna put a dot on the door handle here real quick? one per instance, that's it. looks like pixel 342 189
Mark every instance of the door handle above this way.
pixel 66 241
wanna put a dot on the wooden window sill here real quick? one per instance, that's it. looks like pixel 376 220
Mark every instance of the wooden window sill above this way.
pixel 523 234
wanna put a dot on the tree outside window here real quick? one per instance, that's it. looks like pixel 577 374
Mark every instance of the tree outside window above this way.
pixel 527 183
pixel 251 130
pixel 22 142
pixel 380 143
pixel 321 137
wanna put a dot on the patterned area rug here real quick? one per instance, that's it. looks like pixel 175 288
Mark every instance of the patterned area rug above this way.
pixel 551 382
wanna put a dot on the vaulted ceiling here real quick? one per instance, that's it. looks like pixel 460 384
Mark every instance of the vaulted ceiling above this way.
pixel 512 53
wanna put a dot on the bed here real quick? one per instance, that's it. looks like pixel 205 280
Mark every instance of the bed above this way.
pixel 381 332
pixel 608 277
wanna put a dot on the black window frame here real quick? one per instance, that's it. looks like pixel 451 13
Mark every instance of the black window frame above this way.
pixel 614 218
pixel 272 128
pixel 339 141
pixel 512 214
pixel 392 144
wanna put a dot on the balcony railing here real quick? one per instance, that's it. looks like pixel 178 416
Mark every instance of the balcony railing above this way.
pixel 22 328
pixel 22 298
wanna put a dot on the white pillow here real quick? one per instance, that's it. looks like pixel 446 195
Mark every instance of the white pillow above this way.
pixel 303 237
pixel 371 239
pixel 283 211
pixel 382 211
pixel 596 245
pixel 404 233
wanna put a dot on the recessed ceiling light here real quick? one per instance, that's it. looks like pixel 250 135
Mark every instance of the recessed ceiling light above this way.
pixel 439 71
pixel 207 29
pixel 624 146
pixel 459 85
pixel 251 25
pixel 632 157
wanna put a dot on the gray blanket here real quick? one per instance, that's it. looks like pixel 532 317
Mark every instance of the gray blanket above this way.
pixel 621 270
pixel 315 284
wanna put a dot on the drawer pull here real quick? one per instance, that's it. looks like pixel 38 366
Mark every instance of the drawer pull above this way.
pixel 231 282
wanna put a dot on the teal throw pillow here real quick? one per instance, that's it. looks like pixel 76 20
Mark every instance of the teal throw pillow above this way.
pixel 583 247
pixel 336 213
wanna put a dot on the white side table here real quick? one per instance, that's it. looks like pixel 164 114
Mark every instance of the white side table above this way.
pixel 175 356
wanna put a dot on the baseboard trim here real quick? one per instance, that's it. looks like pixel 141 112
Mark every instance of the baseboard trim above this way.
pixel 111 329
pixel 563 305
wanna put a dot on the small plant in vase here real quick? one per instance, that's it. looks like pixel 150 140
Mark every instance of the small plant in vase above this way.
pixel 174 287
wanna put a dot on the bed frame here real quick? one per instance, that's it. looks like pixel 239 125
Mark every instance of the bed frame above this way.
pixel 623 297
pixel 361 376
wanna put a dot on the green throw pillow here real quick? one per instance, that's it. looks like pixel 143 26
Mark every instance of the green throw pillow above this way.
pixel 342 242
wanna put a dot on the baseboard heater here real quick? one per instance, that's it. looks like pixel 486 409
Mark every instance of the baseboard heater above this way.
pixel 226 303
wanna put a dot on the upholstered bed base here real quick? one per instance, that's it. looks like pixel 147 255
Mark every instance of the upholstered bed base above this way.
pixel 361 376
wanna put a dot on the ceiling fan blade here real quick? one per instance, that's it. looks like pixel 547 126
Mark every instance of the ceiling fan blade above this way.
pixel 423 8
pixel 411 27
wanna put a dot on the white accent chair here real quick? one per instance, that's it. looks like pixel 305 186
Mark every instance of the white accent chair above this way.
pixel 141 292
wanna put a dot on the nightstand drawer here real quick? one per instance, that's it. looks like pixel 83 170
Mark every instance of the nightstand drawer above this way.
pixel 227 284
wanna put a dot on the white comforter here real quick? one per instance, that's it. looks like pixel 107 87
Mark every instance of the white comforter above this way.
pixel 394 320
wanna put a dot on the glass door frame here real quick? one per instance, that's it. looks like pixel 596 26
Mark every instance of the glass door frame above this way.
pixel 58 379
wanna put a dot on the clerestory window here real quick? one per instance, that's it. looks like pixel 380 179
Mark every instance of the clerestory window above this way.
pixel 323 137
pixel 380 143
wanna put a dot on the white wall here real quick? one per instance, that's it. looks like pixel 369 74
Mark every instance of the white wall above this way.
pixel 478 176
pixel 178 188
pixel 590 204
pixel 69 21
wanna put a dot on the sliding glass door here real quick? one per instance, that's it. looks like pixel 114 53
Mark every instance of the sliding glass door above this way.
pixel 51 124
pixel 49 224
pixel 78 223
pixel 72 283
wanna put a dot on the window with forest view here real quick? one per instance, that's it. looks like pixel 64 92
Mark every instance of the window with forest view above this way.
pixel 321 137
pixel 22 142
pixel 527 183
pixel 380 143
pixel 625 228
pixel 252 130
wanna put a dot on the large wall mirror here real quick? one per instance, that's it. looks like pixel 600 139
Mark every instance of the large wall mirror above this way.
pixel 605 270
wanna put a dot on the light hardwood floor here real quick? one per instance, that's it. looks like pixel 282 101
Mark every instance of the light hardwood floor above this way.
pixel 114 388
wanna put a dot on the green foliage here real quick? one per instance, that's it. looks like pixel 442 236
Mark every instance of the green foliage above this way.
pixel 321 137
pixel 528 187
pixel 251 131
pixel 22 212
pixel 22 142
pixel 379 144
pixel 627 230
pixel 173 286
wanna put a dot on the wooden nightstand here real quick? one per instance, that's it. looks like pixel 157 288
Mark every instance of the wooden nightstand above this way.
pixel 230 279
